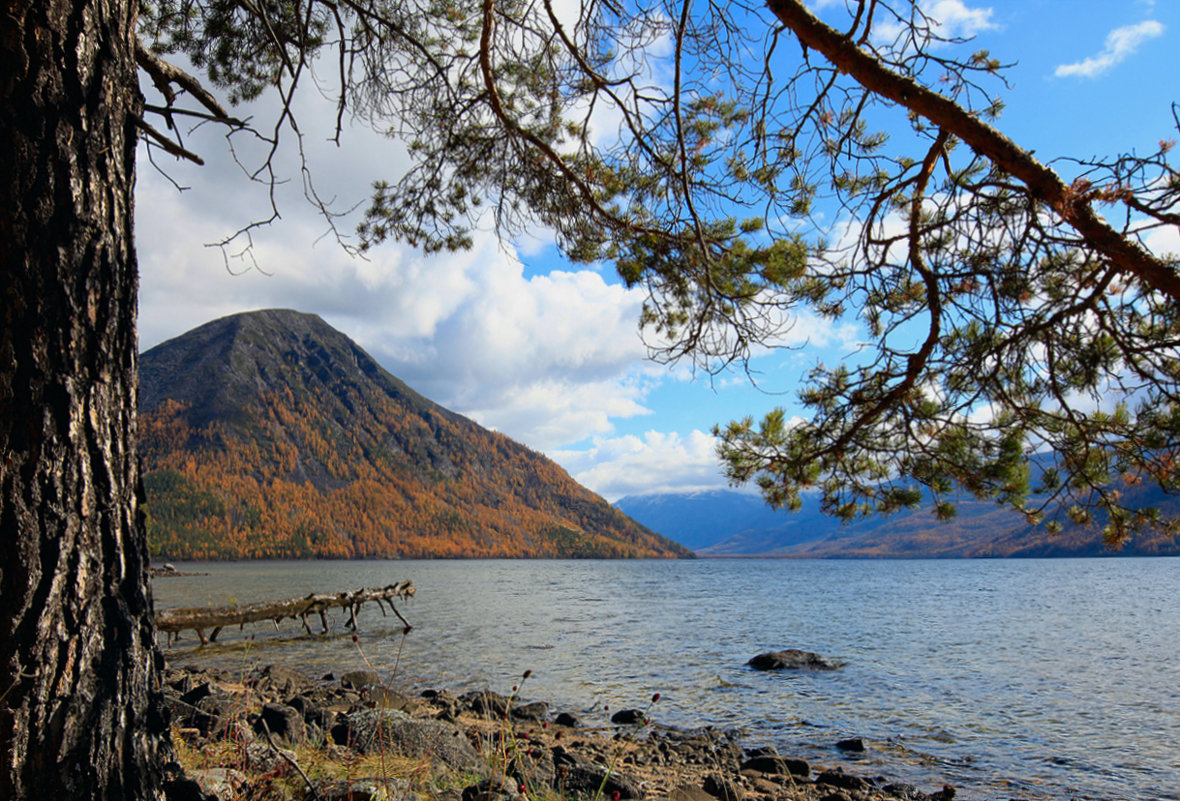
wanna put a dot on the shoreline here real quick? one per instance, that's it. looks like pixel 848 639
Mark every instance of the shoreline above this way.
pixel 276 733
pixel 977 676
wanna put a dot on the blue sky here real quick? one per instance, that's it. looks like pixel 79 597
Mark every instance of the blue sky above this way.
pixel 549 352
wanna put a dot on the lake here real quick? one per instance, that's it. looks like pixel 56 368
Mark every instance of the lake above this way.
pixel 1037 679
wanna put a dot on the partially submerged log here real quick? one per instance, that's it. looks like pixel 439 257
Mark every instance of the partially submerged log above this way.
pixel 174 621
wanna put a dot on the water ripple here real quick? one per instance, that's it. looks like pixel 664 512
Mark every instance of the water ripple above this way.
pixel 1048 679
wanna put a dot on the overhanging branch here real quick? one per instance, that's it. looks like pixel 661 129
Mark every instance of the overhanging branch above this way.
pixel 1044 183
pixel 165 75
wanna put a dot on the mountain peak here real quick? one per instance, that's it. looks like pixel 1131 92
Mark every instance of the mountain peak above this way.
pixel 270 434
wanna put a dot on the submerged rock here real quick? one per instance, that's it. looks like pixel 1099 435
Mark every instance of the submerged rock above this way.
pixel 793 659
pixel 628 717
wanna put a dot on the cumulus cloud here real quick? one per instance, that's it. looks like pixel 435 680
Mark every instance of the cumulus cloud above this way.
pixel 549 359
pixel 948 19
pixel 1163 242
pixel 1121 43
pixel 657 462
pixel 953 18
pixel 550 356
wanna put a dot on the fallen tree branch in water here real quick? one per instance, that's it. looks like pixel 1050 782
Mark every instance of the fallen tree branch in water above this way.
pixel 174 621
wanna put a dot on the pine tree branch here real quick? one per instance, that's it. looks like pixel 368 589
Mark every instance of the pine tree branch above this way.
pixel 165 74
pixel 1042 182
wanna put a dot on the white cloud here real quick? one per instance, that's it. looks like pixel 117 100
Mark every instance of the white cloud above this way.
pixel 659 462
pixel 948 19
pixel 548 360
pixel 952 18
pixel 1121 43
pixel 1163 242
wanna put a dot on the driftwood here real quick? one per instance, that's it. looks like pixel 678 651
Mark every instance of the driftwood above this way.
pixel 174 621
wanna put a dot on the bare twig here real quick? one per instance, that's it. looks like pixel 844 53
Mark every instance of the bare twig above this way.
pixel 163 141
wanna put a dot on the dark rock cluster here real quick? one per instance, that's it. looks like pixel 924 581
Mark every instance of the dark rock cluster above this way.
pixel 493 747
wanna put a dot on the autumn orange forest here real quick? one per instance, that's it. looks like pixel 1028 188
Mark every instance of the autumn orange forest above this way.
pixel 271 435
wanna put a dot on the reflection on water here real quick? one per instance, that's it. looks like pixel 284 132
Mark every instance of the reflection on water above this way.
pixel 1038 678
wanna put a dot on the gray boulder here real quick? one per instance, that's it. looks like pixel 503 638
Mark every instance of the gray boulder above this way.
pixel 224 784
pixel 778 766
pixel 536 710
pixel 356 679
pixel 264 759
pixel 283 722
pixel 371 730
pixel 486 702
pixel 362 790
pixel 629 717
pixel 845 781
pixel 722 788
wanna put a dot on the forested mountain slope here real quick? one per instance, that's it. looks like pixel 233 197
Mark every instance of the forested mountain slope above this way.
pixel 271 434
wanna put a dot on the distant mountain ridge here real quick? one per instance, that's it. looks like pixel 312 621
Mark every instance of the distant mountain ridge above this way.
pixel 270 434
pixel 731 523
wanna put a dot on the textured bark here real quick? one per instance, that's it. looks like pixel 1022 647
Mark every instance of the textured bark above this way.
pixel 79 668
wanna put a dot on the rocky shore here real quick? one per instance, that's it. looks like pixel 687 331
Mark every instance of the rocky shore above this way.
pixel 275 733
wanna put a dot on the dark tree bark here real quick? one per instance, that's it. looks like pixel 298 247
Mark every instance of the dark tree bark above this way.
pixel 80 711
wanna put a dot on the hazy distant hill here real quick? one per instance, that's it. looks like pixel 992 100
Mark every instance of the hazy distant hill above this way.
pixel 271 434
pixel 729 523
pixel 704 518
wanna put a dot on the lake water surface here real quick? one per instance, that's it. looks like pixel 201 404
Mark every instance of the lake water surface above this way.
pixel 1036 679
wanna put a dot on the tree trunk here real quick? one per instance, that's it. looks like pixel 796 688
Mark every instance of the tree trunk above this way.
pixel 80 703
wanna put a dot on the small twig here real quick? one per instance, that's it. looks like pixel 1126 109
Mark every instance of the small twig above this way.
pixel 289 761
pixel 188 112
pixel 20 675
pixel 163 141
